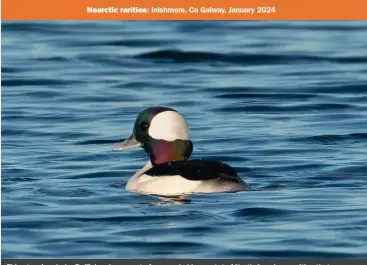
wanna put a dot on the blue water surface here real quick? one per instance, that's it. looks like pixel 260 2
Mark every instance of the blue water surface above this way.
pixel 285 103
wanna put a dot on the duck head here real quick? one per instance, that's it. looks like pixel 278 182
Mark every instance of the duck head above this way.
pixel 163 133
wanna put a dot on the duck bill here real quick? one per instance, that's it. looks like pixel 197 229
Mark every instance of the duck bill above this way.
pixel 130 143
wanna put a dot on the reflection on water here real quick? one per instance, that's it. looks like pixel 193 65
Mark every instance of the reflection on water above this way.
pixel 169 201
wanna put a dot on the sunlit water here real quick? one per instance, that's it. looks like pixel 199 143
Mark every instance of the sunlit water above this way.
pixel 285 103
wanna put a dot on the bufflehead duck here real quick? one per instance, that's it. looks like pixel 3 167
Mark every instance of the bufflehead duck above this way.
pixel 164 134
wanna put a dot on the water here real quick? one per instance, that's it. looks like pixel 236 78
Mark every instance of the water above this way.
pixel 285 103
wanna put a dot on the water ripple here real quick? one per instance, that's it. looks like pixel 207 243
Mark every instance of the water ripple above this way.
pixel 284 103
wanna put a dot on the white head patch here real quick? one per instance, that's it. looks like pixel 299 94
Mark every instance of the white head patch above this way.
pixel 169 126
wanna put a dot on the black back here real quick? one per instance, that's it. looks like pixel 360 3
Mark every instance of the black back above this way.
pixel 195 170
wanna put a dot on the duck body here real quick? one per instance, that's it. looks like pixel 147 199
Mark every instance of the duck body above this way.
pixel 163 134
pixel 186 177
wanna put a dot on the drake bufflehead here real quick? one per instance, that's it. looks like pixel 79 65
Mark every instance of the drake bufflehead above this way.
pixel 164 134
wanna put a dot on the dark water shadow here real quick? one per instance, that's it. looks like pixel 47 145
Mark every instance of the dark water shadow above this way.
pixel 171 200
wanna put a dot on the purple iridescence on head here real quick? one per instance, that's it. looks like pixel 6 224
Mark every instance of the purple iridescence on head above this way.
pixel 162 151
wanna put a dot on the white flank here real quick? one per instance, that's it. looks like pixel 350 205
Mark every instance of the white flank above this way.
pixel 166 186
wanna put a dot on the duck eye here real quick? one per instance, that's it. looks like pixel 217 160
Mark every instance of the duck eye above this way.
pixel 144 126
